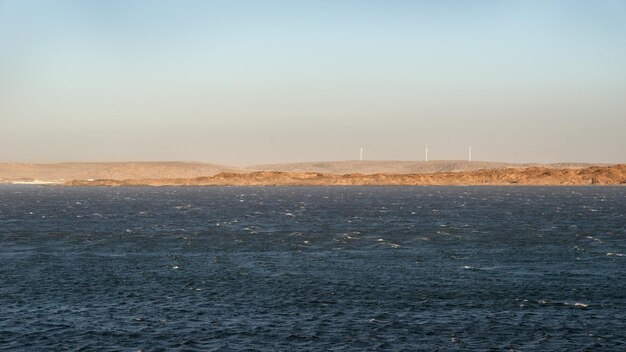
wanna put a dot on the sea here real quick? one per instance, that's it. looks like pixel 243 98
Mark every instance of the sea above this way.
pixel 312 268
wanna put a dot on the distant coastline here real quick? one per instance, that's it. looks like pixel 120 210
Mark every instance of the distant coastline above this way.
pixel 600 175
pixel 340 173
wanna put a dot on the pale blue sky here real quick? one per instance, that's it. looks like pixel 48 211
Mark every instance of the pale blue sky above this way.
pixel 242 82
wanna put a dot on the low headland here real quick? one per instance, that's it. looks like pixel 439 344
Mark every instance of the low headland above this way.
pixel 348 173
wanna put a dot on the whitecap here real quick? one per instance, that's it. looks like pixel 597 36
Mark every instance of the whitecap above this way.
pixel 594 239
pixel 576 304
pixel 616 254
pixel 456 340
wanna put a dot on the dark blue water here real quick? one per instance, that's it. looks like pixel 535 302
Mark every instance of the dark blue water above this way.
pixel 363 268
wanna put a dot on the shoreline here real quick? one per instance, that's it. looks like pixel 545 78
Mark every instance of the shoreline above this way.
pixel 532 176
pixel 613 175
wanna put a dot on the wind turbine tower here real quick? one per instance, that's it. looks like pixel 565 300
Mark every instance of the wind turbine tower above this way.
pixel 361 155
pixel 470 153
pixel 426 153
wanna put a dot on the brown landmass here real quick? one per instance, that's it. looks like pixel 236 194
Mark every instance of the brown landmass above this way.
pixel 401 167
pixel 597 175
pixel 62 172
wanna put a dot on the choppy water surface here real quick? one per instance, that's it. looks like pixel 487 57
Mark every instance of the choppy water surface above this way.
pixel 364 268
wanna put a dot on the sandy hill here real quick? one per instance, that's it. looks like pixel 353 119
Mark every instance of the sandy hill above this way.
pixel 58 172
pixel 399 167
pixel 598 175
pixel 108 170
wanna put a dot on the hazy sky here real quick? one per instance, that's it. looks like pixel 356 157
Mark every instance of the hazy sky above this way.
pixel 243 82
